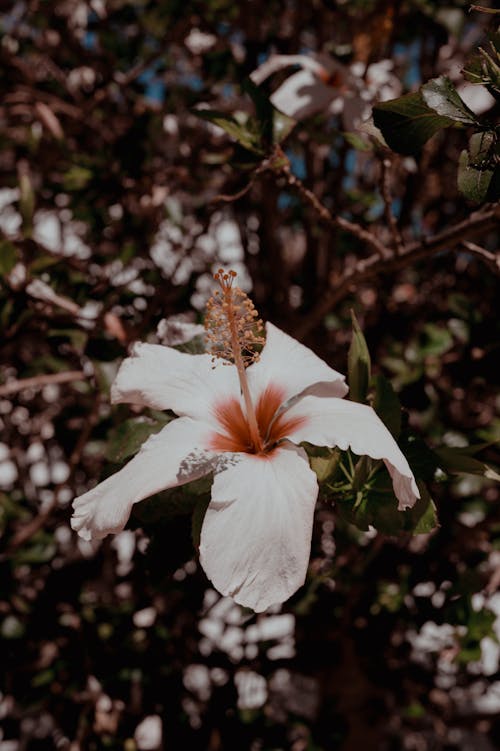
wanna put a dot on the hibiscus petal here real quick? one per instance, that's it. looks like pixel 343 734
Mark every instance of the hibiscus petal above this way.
pixel 289 367
pixel 167 459
pixel 338 422
pixel 163 378
pixel 256 535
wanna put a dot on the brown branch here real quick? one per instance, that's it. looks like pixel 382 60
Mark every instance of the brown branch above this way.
pixel 335 222
pixel 492 260
pixel 385 190
pixel 366 269
pixel 37 382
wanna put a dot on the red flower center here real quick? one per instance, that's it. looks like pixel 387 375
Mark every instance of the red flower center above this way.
pixel 235 433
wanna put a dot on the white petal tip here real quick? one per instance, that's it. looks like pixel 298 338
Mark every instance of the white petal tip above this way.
pixel 94 518
pixel 407 492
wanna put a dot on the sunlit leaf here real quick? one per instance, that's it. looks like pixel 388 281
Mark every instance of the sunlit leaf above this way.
pixel 441 96
pixel 325 466
pixel 241 131
pixel 408 122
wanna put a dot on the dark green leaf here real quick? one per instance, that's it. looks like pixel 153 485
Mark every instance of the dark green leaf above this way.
pixel 77 178
pixel 477 166
pixel 442 97
pixel 437 340
pixel 8 257
pixel 26 203
pixel 126 439
pixel 195 346
pixel 274 125
pixel 379 508
pixel 39 549
pixel 408 122
pixel 460 461
pixel 421 458
pixel 424 513
pixel 243 132
pixel 164 506
pixel 358 363
pixel 77 337
pixel 386 404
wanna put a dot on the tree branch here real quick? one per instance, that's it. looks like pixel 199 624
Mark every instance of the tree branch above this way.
pixel 385 190
pixel 366 269
pixel 334 222
pixel 37 382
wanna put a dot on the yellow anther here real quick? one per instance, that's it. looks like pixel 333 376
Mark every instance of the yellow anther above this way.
pixel 233 327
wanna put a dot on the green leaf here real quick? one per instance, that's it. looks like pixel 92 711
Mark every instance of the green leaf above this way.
pixel 459 461
pixel 274 126
pixel 437 340
pixel 421 458
pixel 77 178
pixel 355 140
pixel 387 405
pixel 195 346
pixel 164 506
pixel 424 512
pixel 378 508
pixel 77 337
pixel 26 203
pixel 477 166
pixel 325 466
pixel 8 257
pixel 408 122
pixel 244 131
pixel 282 126
pixel 39 549
pixel 442 97
pixel 126 439
pixel 358 363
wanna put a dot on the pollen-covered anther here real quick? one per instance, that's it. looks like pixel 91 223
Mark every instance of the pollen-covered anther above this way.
pixel 234 331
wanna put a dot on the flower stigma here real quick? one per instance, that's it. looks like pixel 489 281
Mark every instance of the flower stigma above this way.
pixel 234 334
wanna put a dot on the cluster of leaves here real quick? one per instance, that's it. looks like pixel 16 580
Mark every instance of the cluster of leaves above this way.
pixel 408 122
pixel 360 486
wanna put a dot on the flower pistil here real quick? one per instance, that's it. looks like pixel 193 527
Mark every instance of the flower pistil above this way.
pixel 234 334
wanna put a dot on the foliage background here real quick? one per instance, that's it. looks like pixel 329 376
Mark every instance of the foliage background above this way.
pixel 113 217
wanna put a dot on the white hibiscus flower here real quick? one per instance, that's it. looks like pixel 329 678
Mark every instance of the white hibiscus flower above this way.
pixel 243 424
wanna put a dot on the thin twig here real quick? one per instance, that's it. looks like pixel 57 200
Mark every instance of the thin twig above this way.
pixel 39 381
pixel 335 222
pixel 490 259
pixel 385 190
